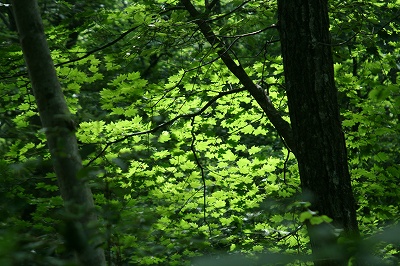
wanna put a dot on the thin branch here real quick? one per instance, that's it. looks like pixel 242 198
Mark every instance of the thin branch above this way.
pixel 226 14
pixel 170 9
pixel 214 59
pixel 166 124
pixel 99 48
pixel 4 19
pixel 384 25
pixel 211 5
pixel 273 26
pixel 176 212
pixel 359 32
pixel 341 43
pixel 203 178
pixel 23 73
pixel 169 90
pixel 285 166
pixel 292 233
pixel 192 69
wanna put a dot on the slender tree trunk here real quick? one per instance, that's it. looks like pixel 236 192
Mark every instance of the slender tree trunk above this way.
pixel 59 128
pixel 314 115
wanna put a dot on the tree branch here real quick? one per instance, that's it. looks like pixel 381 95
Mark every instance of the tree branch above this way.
pixel 223 15
pixel 4 19
pixel 210 6
pixel 283 127
pixel 23 73
pixel 273 26
pixel 120 37
pixel 167 123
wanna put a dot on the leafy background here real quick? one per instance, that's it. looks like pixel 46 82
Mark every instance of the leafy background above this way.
pixel 204 186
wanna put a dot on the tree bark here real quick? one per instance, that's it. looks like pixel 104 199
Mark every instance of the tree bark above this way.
pixel 314 114
pixel 59 128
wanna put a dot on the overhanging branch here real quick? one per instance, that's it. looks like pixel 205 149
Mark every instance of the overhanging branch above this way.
pixel 283 127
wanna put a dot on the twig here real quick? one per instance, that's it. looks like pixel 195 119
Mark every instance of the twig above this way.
pixel 227 14
pixel 203 178
pixel 273 26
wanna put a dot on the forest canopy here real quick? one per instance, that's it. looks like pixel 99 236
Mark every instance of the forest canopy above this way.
pixel 209 133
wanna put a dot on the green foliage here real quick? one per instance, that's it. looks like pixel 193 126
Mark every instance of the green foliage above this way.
pixel 219 184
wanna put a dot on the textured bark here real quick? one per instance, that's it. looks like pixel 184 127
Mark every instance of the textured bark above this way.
pixel 314 115
pixel 59 128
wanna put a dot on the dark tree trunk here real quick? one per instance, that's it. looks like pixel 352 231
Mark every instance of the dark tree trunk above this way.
pixel 315 134
pixel 314 115
pixel 59 128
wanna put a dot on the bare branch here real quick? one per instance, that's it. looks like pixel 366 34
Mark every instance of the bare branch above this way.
pixel 273 26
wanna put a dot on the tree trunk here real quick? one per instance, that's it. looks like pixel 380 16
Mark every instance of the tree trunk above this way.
pixel 59 128
pixel 314 115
